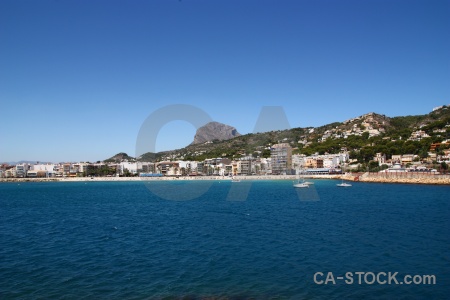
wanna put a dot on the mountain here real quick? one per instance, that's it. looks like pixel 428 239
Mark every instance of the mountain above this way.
pixel 362 136
pixel 119 157
pixel 214 131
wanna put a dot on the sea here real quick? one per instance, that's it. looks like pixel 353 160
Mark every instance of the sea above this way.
pixel 223 240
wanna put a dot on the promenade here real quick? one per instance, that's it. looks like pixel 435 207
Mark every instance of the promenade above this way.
pixel 165 178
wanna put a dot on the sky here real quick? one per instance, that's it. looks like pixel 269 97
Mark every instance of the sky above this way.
pixel 79 78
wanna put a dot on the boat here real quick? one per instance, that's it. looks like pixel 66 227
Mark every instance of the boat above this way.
pixel 234 179
pixel 343 184
pixel 300 185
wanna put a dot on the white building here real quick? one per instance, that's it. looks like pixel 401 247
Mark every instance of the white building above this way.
pixel 298 161
pixel 132 167
pixel 21 170
pixel 328 162
pixel 10 172
pixel 50 169
pixel 418 135
pixel 380 158
pixel 189 166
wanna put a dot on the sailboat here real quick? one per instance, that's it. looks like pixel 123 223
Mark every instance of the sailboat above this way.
pixel 301 183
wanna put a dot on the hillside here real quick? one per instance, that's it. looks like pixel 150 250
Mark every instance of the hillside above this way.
pixel 362 136
pixel 119 157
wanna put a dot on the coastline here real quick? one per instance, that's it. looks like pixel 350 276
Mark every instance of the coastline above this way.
pixel 167 178
pixel 428 179
pixel 366 177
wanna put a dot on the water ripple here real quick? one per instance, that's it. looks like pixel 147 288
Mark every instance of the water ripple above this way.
pixel 118 241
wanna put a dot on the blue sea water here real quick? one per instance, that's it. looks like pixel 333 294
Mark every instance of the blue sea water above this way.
pixel 118 240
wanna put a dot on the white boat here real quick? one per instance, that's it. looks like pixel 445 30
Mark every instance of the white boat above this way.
pixel 300 185
pixel 343 184
pixel 234 179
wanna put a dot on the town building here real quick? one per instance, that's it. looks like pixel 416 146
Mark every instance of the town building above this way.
pixel 380 158
pixel 244 167
pixel 21 170
pixel 281 156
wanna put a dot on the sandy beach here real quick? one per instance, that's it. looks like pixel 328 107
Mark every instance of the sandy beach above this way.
pixel 167 178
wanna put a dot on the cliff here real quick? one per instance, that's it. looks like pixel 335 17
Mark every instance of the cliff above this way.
pixel 214 131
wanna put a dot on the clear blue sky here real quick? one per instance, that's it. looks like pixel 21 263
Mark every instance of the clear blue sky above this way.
pixel 78 78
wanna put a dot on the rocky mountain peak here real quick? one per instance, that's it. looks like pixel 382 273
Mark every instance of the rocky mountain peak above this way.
pixel 214 131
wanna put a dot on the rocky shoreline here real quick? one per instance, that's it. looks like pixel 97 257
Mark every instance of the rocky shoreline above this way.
pixel 400 178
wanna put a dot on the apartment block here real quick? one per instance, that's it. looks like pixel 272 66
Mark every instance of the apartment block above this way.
pixel 281 155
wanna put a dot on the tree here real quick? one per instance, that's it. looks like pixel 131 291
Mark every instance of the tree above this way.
pixel 423 153
pixel 126 172
pixel 257 169
pixel 266 153
pixel 373 166
pixel 409 147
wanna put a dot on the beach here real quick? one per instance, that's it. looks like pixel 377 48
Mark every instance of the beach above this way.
pixel 163 178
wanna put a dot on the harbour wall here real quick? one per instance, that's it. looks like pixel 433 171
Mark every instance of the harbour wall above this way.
pixel 399 177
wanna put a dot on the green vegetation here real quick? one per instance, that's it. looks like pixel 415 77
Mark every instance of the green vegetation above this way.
pixel 102 171
pixel 393 140
pixel 120 157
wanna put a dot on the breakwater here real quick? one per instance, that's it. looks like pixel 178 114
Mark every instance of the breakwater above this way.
pixel 399 177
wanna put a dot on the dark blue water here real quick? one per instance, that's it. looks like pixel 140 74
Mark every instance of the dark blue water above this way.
pixel 120 241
